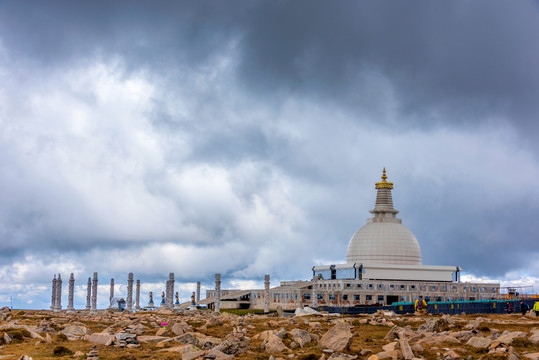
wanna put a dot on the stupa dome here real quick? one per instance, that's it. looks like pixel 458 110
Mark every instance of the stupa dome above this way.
pixel 384 240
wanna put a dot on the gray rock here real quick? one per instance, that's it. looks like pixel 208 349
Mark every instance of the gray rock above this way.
pixel 479 342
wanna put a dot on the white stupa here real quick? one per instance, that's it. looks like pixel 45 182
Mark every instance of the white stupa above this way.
pixel 383 239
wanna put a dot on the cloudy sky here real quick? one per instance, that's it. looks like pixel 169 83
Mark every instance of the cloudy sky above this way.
pixel 245 137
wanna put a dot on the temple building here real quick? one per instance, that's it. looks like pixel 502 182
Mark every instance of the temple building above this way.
pixel 383 266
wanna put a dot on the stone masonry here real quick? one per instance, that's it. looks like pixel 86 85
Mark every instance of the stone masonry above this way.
pixel 137 296
pixel 53 295
pixel 266 293
pixel 94 294
pixel 58 305
pixel 217 292
pixel 89 294
pixel 198 292
pixel 111 296
pixel 70 294
pixel 129 300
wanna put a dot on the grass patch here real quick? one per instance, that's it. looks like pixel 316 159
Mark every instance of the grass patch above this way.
pixel 61 351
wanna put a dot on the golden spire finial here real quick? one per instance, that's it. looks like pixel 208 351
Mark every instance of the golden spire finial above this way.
pixel 384 184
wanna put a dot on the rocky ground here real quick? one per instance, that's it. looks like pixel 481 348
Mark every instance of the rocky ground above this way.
pixel 207 335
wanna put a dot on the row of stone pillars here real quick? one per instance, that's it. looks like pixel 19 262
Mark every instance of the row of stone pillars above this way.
pixel 91 294
pixel 168 298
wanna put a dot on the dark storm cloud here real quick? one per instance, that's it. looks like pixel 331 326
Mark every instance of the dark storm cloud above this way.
pixel 469 60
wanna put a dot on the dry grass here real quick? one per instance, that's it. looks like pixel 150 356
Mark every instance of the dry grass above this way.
pixel 365 336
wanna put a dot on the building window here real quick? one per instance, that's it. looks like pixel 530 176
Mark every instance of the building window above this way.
pixel 320 296
pixel 471 298
pixel 380 298
pixel 423 287
pixel 332 297
pixel 380 286
pixel 278 296
pixel 345 297
pixel 404 298
pixel 307 296
pixel 427 298
pixel 444 287
pixel 359 286
pixel 347 285
pixel 484 288
pixel 493 289
pixel 465 288
pixel 412 287
pixel 402 287
pixel 369 286
pixel 461 298
pixel 392 286
pixel 356 297
pixel 474 288
pixel 438 298
pixel 433 288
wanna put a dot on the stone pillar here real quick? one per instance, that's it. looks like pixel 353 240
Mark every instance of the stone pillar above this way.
pixel 217 292
pixel 315 292
pixel 137 296
pixel 53 295
pixel 111 296
pixel 266 293
pixel 71 292
pixel 58 293
pixel 170 291
pixel 89 294
pixel 198 292
pixel 129 300
pixel 94 294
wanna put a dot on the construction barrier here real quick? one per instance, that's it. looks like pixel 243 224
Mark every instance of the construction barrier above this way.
pixel 440 307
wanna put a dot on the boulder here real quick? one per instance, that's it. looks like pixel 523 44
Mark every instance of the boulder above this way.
pixel 234 344
pixel 273 344
pixel 180 328
pixel 337 338
pixel 508 337
pixel 301 337
pixel 341 356
pixel 150 338
pixel 479 342
pixel 75 331
pixel 431 325
pixel 534 338
pixel 101 339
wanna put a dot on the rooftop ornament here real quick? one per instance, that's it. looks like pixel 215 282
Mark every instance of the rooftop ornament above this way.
pixel 384 184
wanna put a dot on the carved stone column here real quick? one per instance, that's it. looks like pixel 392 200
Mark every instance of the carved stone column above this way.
pixel 94 294
pixel 58 306
pixel 169 299
pixel 198 292
pixel 315 292
pixel 137 296
pixel 89 294
pixel 53 295
pixel 266 293
pixel 217 292
pixel 129 300
pixel 71 292
pixel 111 296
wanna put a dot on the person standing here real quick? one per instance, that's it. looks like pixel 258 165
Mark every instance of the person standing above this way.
pixel 536 308
pixel 523 308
